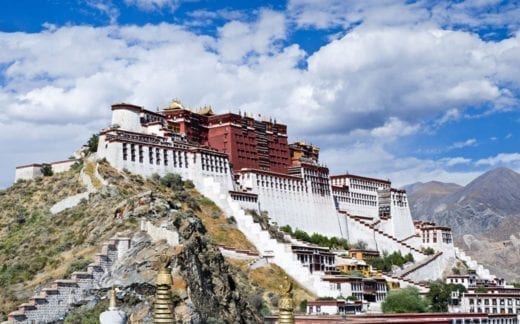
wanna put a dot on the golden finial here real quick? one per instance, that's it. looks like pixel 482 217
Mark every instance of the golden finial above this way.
pixel 286 303
pixel 112 305
pixel 163 306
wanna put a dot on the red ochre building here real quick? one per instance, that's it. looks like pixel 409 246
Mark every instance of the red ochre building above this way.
pixel 248 142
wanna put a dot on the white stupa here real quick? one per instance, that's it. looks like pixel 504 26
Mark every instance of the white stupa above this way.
pixel 113 315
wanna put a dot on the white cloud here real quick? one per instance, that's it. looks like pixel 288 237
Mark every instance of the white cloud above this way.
pixel 151 5
pixel 501 159
pixel 394 128
pixel 376 161
pixel 452 161
pixel 238 39
pixel 466 143
pixel 450 115
pixel 469 14
pixel 106 7
pixel 365 89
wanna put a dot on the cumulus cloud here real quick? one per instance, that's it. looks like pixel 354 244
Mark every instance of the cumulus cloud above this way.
pixel 480 16
pixel 376 161
pixel 501 159
pixel 361 91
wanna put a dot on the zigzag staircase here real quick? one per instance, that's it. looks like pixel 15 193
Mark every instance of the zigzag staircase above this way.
pixel 382 235
pixel 277 252
pixel 52 304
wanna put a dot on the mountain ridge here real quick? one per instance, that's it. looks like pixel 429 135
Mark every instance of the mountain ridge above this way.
pixel 480 206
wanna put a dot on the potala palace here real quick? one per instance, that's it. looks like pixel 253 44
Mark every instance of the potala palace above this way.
pixel 244 163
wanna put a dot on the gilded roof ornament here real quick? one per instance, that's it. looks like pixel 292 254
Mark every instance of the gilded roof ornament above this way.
pixel 175 104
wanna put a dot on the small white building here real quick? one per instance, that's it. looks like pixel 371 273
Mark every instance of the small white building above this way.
pixel 333 307
pixel 31 171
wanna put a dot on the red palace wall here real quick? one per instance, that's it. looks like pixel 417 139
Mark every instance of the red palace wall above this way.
pixel 248 143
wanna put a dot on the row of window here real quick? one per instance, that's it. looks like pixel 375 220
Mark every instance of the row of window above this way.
pixel 355 201
pixel 214 163
pixel 244 198
pixel 494 301
pixel 154 155
pixel 160 156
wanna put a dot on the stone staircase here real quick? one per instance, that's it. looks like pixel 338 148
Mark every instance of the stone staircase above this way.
pixel 417 265
pixel 473 265
pixel 404 283
pixel 277 252
pixel 53 303
pixel 399 244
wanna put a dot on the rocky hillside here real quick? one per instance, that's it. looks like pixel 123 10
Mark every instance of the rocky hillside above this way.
pixel 481 206
pixel 38 246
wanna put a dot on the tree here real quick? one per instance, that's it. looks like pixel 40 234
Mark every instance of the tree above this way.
pixel 46 170
pixel 301 235
pixel 440 294
pixel 362 245
pixel 406 300
pixel 286 229
pixel 92 143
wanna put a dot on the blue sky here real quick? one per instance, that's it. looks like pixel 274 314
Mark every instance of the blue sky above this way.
pixel 406 90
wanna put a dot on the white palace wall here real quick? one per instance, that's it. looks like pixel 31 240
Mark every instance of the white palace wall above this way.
pixel 188 164
pixel 288 202
pixel 31 171
pixel 402 222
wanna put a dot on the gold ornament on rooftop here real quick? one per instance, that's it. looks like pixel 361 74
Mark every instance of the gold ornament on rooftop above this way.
pixel 163 306
pixel 286 303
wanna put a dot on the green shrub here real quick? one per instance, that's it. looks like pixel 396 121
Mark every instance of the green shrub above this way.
pixel 316 238
pixel 406 300
pixel 287 229
pixel 303 306
pixel 188 184
pixel 78 265
pixel 172 180
pixel 92 144
pixel 428 251
pixel 46 170
pixel 231 220
pixel 386 262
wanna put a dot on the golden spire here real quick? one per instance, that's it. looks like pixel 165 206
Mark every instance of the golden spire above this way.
pixel 112 305
pixel 163 306
pixel 286 303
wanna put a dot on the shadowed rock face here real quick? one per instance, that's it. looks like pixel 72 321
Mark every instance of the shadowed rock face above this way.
pixel 213 290
pixel 479 207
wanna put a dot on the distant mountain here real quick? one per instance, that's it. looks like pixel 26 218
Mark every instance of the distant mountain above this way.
pixel 484 205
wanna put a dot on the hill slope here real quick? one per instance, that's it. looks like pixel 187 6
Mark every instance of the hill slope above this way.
pixel 37 246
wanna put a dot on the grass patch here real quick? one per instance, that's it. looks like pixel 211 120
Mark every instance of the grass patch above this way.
pixel 268 279
pixel 90 170
pixel 219 228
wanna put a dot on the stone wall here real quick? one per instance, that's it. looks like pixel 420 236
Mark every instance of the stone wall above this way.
pixel 53 303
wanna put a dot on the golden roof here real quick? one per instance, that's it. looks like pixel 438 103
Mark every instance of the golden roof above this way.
pixel 175 104
pixel 206 110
